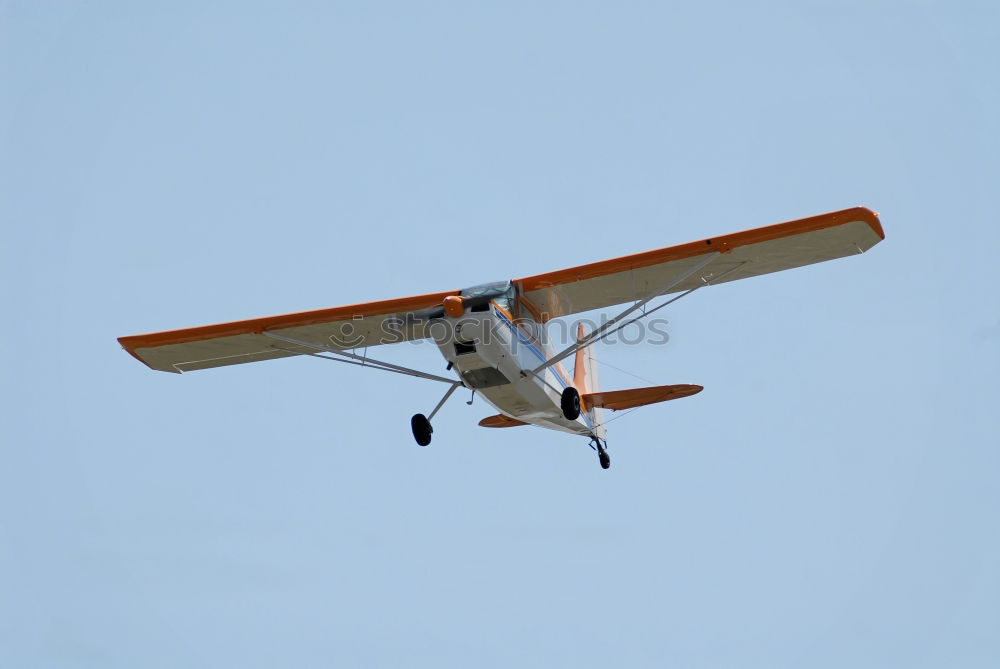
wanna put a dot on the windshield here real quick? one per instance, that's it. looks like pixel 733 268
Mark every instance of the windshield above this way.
pixel 501 292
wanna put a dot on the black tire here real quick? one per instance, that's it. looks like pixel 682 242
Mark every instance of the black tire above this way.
pixel 571 403
pixel 605 459
pixel 421 429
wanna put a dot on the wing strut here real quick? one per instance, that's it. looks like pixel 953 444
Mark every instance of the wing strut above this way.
pixel 454 387
pixel 605 330
pixel 602 332
pixel 365 362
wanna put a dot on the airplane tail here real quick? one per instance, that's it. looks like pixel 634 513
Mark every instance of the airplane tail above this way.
pixel 595 402
pixel 587 382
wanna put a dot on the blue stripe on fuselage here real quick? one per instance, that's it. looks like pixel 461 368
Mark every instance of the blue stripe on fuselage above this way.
pixel 539 354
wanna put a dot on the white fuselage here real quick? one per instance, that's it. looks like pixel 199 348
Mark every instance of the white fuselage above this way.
pixel 492 353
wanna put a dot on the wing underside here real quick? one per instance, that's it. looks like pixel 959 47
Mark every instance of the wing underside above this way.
pixel 740 255
pixel 342 328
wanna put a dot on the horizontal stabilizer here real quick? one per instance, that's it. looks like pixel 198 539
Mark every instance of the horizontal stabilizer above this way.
pixel 637 397
pixel 500 421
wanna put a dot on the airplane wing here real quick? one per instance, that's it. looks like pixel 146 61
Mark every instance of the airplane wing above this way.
pixel 343 328
pixel 742 255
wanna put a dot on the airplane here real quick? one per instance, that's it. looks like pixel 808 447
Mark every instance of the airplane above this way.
pixel 492 335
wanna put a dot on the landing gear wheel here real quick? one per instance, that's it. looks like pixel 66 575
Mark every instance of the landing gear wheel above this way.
pixel 603 456
pixel 570 403
pixel 421 429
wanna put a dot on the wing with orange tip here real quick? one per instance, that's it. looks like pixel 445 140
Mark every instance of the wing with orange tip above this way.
pixel 740 255
pixel 343 328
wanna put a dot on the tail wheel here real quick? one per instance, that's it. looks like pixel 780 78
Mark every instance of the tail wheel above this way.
pixel 421 429
pixel 605 459
pixel 571 403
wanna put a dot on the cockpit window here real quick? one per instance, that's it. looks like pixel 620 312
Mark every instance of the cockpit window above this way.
pixel 487 289
pixel 506 300
pixel 479 297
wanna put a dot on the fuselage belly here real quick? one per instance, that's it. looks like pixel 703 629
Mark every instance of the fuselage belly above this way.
pixel 491 353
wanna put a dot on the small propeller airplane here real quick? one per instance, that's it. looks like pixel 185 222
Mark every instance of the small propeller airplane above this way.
pixel 493 335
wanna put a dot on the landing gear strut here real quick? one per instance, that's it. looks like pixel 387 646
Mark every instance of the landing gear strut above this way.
pixel 602 452
pixel 421 424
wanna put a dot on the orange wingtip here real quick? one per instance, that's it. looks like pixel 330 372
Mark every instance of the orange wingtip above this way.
pixel 637 397
pixel 723 243
pixel 500 421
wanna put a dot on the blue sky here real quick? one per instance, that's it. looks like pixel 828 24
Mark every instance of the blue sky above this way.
pixel 829 500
